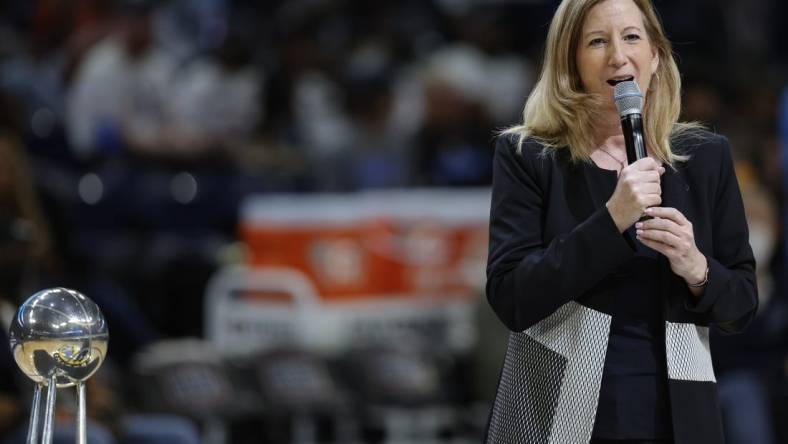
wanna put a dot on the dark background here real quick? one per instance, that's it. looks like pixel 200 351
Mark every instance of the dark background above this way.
pixel 143 126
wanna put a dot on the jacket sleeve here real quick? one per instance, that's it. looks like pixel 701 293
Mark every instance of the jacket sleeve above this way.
pixel 528 279
pixel 730 298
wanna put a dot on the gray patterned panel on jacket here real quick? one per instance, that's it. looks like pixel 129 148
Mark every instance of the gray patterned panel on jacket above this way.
pixel 552 373
pixel 688 354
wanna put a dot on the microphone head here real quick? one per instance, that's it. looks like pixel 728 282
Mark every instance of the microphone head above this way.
pixel 628 98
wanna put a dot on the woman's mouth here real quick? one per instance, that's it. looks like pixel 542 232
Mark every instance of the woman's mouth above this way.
pixel 617 80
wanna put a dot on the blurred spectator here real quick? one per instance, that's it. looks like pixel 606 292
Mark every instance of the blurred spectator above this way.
pixel 188 27
pixel 119 94
pixel 26 250
pixel 745 363
pixel 702 103
pixel 483 65
pixel 782 129
pixel 750 367
pixel 752 24
pixel 215 103
pixel 453 142
pixel 383 106
pixel 322 128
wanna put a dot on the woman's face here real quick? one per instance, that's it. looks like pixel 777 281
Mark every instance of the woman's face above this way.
pixel 613 47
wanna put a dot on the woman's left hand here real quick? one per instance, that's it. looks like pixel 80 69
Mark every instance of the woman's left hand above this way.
pixel 670 233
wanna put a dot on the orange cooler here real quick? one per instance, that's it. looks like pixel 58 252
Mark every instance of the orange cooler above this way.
pixel 371 245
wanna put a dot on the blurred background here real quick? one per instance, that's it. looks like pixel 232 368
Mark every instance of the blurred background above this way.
pixel 281 206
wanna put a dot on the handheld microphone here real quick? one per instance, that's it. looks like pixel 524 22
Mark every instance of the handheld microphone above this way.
pixel 629 102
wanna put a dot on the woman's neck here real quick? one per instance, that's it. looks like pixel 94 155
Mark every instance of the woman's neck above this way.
pixel 608 134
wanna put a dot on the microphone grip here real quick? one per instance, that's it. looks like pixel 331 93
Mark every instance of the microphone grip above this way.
pixel 632 126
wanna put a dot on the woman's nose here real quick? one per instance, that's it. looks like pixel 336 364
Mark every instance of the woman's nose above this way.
pixel 617 58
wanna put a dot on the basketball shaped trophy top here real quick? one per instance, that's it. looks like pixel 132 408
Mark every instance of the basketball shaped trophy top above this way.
pixel 59 332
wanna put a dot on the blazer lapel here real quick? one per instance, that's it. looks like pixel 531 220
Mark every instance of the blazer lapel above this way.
pixel 674 195
pixel 675 189
pixel 581 200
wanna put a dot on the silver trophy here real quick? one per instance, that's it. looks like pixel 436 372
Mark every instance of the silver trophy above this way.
pixel 59 339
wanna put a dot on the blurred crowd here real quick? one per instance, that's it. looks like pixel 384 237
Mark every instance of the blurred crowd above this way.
pixel 131 130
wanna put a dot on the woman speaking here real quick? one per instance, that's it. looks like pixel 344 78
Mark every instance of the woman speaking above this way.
pixel 609 274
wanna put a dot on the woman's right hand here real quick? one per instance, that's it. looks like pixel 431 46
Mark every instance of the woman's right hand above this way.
pixel 638 188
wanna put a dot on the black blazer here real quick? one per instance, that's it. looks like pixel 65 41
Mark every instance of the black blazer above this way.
pixel 552 241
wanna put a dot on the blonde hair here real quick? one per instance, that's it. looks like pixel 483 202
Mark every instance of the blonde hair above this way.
pixel 558 113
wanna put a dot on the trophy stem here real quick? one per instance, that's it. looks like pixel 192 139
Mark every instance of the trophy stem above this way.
pixel 81 414
pixel 32 428
pixel 49 413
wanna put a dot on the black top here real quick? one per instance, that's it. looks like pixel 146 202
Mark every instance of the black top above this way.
pixel 633 398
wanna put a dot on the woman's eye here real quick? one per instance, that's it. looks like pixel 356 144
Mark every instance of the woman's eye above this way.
pixel 631 37
pixel 596 42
